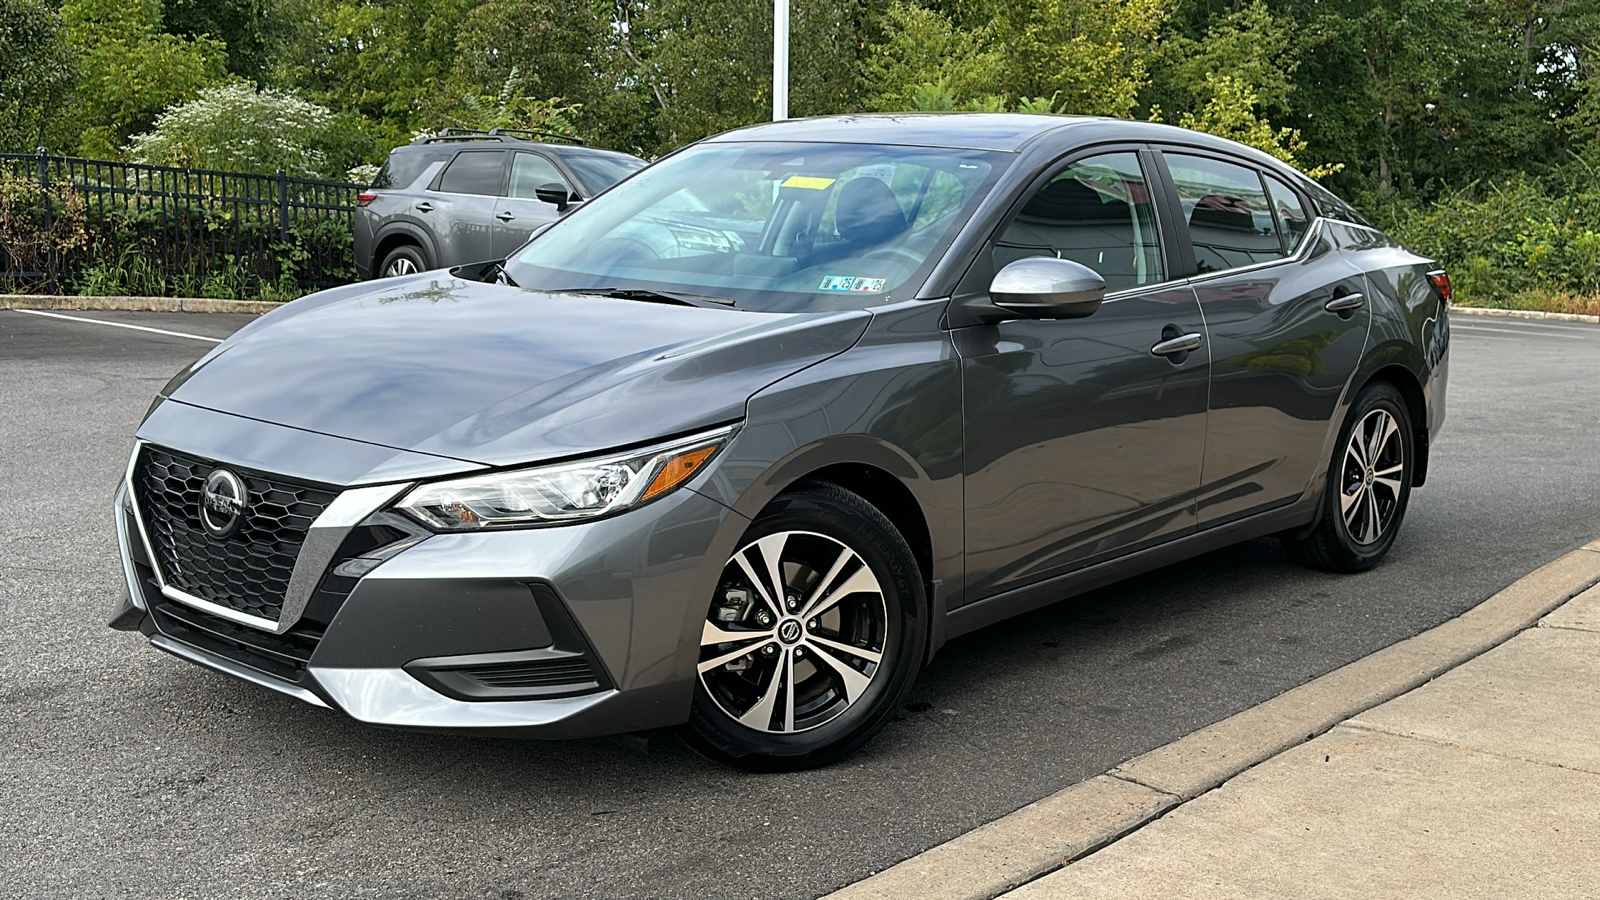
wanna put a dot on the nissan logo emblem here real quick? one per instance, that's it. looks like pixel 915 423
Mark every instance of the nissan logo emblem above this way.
pixel 789 631
pixel 222 502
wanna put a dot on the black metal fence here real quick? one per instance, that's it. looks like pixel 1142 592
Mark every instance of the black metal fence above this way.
pixel 93 226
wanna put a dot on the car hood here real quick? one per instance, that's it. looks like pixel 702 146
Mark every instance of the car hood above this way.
pixel 499 375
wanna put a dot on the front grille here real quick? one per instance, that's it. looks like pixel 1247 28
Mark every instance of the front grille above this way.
pixel 574 673
pixel 249 571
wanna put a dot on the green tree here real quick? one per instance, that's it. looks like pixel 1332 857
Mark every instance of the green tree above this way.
pixel 35 73
pixel 925 62
pixel 236 128
pixel 130 70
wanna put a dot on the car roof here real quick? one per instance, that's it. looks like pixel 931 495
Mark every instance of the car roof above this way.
pixel 1008 132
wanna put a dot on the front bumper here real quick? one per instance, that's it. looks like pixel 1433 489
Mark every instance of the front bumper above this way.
pixel 566 631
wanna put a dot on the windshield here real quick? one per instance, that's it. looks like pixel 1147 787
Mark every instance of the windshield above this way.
pixel 601 172
pixel 770 226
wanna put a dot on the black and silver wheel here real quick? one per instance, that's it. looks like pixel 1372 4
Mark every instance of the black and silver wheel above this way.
pixel 403 260
pixel 813 635
pixel 1369 482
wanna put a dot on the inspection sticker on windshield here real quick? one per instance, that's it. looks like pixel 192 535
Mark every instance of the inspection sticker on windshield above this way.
pixel 852 283
pixel 810 182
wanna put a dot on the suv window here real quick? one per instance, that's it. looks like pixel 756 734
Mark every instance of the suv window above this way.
pixel 529 172
pixel 601 172
pixel 1230 220
pixel 475 172
pixel 403 167
pixel 1291 212
pixel 1096 212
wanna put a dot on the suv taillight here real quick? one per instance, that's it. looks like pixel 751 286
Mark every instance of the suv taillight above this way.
pixel 1440 279
pixel 364 199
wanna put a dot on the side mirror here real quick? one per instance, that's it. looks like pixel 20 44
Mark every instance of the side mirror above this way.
pixel 553 193
pixel 1044 287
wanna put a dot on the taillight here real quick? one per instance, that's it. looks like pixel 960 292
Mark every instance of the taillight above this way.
pixel 1440 279
pixel 364 199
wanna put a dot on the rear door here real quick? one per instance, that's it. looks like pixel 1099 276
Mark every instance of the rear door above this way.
pixel 520 211
pixel 1081 442
pixel 1286 316
pixel 459 207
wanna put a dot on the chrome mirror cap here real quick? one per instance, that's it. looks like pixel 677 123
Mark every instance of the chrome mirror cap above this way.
pixel 1043 287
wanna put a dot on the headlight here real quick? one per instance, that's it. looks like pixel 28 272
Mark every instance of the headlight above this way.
pixel 561 493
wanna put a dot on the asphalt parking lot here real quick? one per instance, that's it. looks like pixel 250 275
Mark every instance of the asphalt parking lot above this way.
pixel 126 772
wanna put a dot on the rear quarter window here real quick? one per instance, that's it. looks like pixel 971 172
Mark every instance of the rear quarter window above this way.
pixel 402 168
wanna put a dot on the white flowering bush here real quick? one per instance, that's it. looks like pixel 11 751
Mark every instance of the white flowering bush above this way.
pixel 237 128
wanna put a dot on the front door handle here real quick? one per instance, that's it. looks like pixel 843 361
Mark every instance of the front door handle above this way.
pixel 504 216
pixel 1347 303
pixel 425 206
pixel 1183 343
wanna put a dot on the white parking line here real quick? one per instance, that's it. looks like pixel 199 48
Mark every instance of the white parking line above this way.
pixel 1479 329
pixel 192 337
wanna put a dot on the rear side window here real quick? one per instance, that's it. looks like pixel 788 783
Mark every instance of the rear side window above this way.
pixel 1230 221
pixel 402 168
pixel 1290 211
pixel 529 172
pixel 475 172
pixel 1096 212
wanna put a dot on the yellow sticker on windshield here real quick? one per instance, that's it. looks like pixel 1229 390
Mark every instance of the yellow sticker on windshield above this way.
pixel 809 182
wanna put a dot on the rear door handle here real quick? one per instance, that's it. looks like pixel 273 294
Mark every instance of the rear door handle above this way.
pixel 1183 343
pixel 504 216
pixel 425 206
pixel 1345 303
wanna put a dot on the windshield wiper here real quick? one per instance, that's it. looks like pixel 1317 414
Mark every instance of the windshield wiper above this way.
pixel 654 296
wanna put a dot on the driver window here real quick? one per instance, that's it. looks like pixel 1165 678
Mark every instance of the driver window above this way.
pixel 1096 212
pixel 530 171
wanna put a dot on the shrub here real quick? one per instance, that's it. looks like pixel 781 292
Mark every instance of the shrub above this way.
pixel 236 128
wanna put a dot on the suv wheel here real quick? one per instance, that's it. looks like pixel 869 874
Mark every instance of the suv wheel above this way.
pixel 1369 482
pixel 813 637
pixel 403 260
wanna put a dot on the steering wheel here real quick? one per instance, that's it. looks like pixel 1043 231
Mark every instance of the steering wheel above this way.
pixel 898 255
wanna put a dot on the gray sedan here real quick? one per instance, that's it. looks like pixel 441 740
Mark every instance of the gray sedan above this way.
pixel 737 447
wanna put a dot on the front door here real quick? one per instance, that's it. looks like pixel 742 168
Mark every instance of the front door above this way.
pixel 1082 443
pixel 520 211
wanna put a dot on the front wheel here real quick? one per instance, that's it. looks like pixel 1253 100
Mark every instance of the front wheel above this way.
pixel 1369 483
pixel 813 637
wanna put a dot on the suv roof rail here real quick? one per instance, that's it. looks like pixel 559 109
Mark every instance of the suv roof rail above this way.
pixel 494 134
pixel 542 135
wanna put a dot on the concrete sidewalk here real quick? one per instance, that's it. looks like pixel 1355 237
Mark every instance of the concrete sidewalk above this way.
pixel 1482 783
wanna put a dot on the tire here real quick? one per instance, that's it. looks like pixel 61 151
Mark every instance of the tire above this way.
pixel 854 601
pixel 405 259
pixel 1363 502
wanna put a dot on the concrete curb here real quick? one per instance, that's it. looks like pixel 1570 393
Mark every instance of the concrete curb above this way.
pixel 1075 822
pixel 1522 314
pixel 139 304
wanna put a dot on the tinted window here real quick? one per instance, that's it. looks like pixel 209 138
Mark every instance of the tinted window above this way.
pixel 475 172
pixel 1291 212
pixel 1096 212
pixel 1230 221
pixel 530 171
pixel 601 172
pixel 402 167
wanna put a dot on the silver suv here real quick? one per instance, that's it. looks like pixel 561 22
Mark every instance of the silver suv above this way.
pixel 469 196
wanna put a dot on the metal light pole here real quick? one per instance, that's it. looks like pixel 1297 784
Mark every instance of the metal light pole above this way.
pixel 780 60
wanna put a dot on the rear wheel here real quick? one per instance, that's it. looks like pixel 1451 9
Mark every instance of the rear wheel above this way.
pixel 813 636
pixel 405 259
pixel 1369 484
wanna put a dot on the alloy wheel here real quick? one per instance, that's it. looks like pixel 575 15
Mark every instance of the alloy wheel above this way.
pixel 1374 463
pixel 796 633
pixel 400 265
